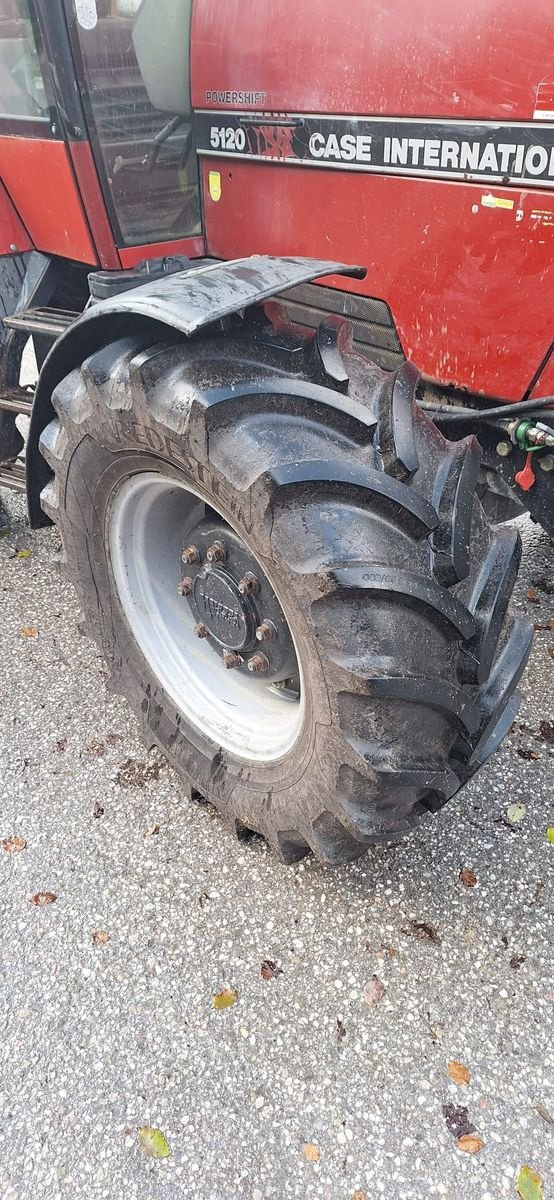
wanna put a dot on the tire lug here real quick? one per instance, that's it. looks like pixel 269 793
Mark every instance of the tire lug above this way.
pixel 249 584
pixel 216 553
pixel 201 631
pixel 190 556
pixel 185 586
pixel 231 659
pixel 266 632
pixel 258 662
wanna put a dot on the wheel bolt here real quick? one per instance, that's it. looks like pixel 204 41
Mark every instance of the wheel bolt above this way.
pixel 266 632
pixel 258 662
pixel 185 586
pixel 231 659
pixel 190 556
pixel 201 631
pixel 216 553
pixel 249 584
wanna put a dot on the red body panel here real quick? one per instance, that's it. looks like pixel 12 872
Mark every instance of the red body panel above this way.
pixel 13 235
pixel 193 247
pixel 469 282
pixel 41 183
pixel 98 220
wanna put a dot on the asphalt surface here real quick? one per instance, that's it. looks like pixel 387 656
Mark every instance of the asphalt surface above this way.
pixel 301 1088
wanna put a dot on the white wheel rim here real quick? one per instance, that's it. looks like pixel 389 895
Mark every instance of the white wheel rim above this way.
pixel 147 520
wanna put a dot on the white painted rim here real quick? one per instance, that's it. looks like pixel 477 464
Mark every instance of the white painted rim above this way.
pixel 148 519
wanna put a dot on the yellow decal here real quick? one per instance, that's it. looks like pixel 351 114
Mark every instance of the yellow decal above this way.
pixel 490 201
pixel 214 184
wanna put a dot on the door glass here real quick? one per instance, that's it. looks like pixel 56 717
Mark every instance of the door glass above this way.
pixel 134 62
pixel 21 84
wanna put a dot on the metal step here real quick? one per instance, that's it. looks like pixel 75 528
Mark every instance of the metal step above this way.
pixel 50 322
pixel 17 400
pixel 12 475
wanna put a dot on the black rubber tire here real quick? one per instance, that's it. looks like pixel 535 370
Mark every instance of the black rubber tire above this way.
pixel 365 520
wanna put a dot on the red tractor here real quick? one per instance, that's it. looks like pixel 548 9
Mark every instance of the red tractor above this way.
pixel 231 230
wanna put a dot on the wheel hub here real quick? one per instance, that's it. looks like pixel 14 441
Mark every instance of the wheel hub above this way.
pixel 234 605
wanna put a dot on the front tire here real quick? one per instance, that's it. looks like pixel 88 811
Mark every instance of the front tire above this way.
pixel 362 524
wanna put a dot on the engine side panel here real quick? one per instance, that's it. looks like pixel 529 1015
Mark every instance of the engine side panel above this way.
pixel 464 266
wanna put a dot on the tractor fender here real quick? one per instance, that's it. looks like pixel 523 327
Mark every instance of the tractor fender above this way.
pixel 187 301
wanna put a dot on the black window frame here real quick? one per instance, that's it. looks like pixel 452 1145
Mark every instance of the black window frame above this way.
pixel 46 127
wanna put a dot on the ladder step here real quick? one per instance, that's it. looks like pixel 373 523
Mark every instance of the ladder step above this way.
pixel 50 322
pixel 17 400
pixel 12 475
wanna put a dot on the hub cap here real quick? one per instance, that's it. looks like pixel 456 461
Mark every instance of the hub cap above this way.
pixel 199 603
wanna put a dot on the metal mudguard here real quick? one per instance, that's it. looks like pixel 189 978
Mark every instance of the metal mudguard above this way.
pixel 187 301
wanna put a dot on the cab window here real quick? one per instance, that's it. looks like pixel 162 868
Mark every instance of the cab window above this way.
pixel 22 93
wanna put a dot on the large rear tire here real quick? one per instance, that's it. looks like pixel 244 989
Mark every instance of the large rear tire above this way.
pixel 362 525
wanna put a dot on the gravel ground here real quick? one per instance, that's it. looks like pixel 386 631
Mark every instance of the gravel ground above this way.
pixel 301 1089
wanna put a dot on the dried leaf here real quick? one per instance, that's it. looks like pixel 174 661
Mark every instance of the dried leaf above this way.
pixel 374 991
pixel 269 969
pixel 95 749
pixel 458 1072
pixel 544 585
pixel 341 1031
pixel 527 755
pixel 532 595
pixel 41 899
pixel 529 1184
pixel 154 829
pixel 100 937
pixel 516 961
pixel 61 745
pixel 14 845
pixel 112 739
pixel 311 1152
pixel 515 813
pixel 23 553
pixel 467 877
pixel 546 732
pixel 470 1143
pixel 225 999
pixel 29 631
pixel 359 1195
pixel 423 932
pixel 544 1113
pixel 550 651
pixel 152 1142
pixel 550 835
pixel 457 1120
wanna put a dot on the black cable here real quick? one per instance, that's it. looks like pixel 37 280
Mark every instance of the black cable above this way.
pixel 504 410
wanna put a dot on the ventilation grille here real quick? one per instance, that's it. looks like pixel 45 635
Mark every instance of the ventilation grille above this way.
pixel 372 322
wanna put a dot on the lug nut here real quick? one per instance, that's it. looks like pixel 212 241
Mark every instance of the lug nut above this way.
pixel 185 586
pixel 503 449
pixel 231 659
pixel 190 556
pixel 201 631
pixel 546 463
pixel 258 662
pixel 249 584
pixel 266 632
pixel 216 553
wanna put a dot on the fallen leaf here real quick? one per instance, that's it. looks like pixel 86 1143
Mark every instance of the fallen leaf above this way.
pixel 154 829
pixel 546 732
pixel 359 1195
pixel 95 749
pixel 457 1120
pixel 532 595
pixel 470 1144
pixel 225 999
pixel 14 845
pixel 550 835
pixel 374 991
pixel 311 1152
pixel 550 651
pixel 112 739
pixel 29 631
pixel 61 745
pixel 529 1184
pixel 23 553
pixel 423 932
pixel 544 585
pixel 544 1113
pixel 467 877
pixel 458 1072
pixel 97 810
pixel 515 813
pixel 137 774
pixel 528 755
pixel 516 961
pixel 341 1031
pixel 152 1142
pixel 40 899
pixel 269 969
pixel 100 937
